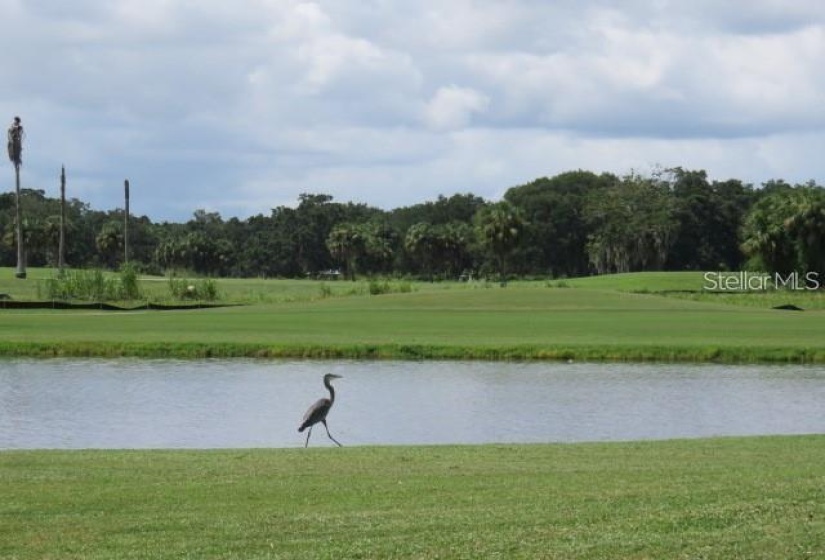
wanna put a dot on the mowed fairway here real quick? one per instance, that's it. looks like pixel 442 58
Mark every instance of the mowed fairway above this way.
pixel 754 498
pixel 523 320
pixel 729 498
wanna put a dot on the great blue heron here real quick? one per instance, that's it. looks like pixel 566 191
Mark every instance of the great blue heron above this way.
pixel 318 411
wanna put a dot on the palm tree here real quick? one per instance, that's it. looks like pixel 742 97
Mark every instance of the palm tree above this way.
pixel 767 240
pixel 420 241
pixel 109 242
pixel 499 227
pixel 806 227
pixel 15 146
pixel 345 243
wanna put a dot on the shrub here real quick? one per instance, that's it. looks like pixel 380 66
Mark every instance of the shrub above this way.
pixel 386 287
pixel 201 290
pixel 94 285
pixel 325 290
pixel 377 288
pixel 129 289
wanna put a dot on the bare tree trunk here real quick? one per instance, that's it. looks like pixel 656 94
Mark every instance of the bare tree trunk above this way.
pixel 21 250
pixel 126 225
pixel 61 246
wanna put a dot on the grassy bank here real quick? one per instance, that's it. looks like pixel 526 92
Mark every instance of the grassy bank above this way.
pixel 692 286
pixel 518 322
pixel 624 317
pixel 158 289
pixel 725 498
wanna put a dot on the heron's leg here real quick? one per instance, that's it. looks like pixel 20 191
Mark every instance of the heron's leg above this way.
pixel 330 435
pixel 309 433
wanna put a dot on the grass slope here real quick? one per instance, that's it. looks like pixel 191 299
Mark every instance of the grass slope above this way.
pixel 520 321
pixel 727 498
pixel 690 281
pixel 620 317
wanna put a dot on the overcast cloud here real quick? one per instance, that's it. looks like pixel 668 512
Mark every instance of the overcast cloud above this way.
pixel 238 107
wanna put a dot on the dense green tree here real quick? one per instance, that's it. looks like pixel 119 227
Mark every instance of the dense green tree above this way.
pixel 169 255
pixel 572 224
pixel 632 225
pixel 444 210
pixel 421 243
pixel 806 227
pixel 499 227
pixel 199 251
pixel 709 219
pixel 51 239
pixel 380 245
pixel 316 215
pixel 270 255
pixel 444 249
pixel 143 238
pixel 305 230
pixel 38 214
pixel 82 228
pixel 555 239
pixel 456 209
pixel 785 231
pixel 733 200
pixel 109 242
pixel 207 249
pixel 346 244
pixel 456 241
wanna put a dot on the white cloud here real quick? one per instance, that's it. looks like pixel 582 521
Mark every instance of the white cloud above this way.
pixel 241 106
pixel 452 107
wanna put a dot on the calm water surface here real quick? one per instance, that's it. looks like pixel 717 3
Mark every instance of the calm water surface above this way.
pixel 245 403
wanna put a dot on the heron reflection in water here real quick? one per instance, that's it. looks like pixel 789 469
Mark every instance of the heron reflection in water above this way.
pixel 318 411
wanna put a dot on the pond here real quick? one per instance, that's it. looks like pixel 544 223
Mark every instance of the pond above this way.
pixel 73 403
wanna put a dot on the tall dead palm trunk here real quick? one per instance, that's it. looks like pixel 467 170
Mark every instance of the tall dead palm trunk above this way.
pixel 15 146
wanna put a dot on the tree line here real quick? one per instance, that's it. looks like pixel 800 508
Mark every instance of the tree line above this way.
pixel 573 224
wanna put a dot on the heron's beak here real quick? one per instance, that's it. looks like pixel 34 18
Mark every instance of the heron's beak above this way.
pixel 332 375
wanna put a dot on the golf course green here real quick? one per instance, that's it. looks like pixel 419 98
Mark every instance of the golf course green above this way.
pixel 754 498
pixel 721 498
pixel 656 316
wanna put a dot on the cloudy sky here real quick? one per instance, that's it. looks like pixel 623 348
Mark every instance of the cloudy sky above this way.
pixel 238 106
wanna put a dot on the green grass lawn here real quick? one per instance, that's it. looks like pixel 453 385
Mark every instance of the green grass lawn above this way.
pixel 720 498
pixel 525 320
pixel 231 290
pixel 726 498
pixel 695 287
pixel 640 281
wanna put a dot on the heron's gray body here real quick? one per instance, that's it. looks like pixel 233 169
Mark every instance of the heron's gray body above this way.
pixel 318 411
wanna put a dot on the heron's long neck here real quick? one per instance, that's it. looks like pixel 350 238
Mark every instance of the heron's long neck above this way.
pixel 331 391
